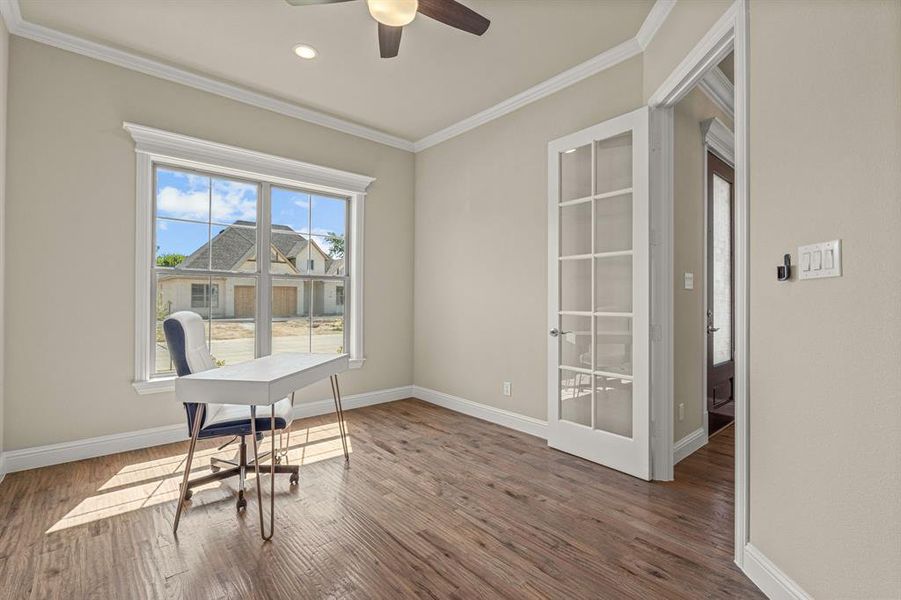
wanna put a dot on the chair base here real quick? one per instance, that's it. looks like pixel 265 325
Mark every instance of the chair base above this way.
pixel 225 469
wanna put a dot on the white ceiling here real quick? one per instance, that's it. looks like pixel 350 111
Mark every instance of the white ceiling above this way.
pixel 441 76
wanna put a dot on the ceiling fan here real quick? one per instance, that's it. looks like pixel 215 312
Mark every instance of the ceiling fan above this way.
pixel 392 15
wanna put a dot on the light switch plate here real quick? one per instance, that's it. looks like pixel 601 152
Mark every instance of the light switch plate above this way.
pixel 688 281
pixel 820 260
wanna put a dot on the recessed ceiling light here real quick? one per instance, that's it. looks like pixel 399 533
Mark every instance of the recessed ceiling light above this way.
pixel 304 51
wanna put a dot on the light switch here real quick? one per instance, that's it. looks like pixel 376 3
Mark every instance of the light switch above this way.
pixel 821 260
pixel 689 281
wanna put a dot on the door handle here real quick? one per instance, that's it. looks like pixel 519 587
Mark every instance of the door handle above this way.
pixel 556 332
pixel 711 329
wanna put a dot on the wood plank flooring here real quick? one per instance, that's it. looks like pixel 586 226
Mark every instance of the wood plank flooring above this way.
pixel 435 505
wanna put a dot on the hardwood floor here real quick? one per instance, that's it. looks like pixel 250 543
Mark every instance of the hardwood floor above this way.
pixel 435 505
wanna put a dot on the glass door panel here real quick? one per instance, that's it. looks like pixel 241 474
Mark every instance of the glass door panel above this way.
pixel 575 229
pixel 613 345
pixel 575 397
pixel 613 284
pixel 613 164
pixel 613 223
pixel 613 405
pixel 722 270
pixel 575 341
pixel 575 173
pixel 575 285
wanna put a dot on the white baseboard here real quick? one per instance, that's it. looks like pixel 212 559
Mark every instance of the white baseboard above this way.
pixel 2 467
pixel 497 416
pixel 695 440
pixel 54 454
pixel 769 578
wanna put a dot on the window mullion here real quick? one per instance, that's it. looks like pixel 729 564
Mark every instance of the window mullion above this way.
pixel 264 287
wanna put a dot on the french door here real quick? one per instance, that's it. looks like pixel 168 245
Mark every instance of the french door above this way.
pixel 599 297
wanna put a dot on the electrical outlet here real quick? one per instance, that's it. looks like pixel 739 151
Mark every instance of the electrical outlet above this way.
pixel 681 411
pixel 508 388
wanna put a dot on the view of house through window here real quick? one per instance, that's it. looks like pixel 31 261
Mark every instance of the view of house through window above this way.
pixel 206 239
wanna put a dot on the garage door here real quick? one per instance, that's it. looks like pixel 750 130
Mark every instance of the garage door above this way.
pixel 245 300
pixel 284 301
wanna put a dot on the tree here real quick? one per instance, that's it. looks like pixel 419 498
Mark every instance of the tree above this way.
pixel 170 260
pixel 335 245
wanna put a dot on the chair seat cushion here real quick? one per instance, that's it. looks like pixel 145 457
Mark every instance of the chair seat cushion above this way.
pixel 233 419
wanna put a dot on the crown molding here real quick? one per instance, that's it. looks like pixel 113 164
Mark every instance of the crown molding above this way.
pixel 590 67
pixel 720 90
pixel 9 10
pixel 719 138
pixel 64 41
pixel 659 12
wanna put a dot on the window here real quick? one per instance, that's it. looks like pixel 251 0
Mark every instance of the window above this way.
pixel 203 296
pixel 200 228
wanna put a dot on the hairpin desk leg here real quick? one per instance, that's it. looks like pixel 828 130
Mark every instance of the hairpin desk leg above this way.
pixel 339 412
pixel 195 431
pixel 256 467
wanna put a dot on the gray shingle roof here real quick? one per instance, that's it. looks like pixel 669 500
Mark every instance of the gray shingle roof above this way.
pixel 235 244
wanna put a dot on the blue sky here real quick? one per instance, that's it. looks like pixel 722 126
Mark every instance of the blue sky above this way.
pixel 187 196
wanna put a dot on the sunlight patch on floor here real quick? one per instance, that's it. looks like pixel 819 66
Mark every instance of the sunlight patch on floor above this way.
pixel 149 483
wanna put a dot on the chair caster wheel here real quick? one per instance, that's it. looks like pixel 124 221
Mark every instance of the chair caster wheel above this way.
pixel 294 478
pixel 242 503
pixel 189 494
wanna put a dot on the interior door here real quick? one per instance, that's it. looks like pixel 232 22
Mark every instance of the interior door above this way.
pixel 720 296
pixel 598 265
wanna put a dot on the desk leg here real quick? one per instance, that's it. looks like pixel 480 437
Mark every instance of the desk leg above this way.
pixel 256 467
pixel 195 431
pixel 339 412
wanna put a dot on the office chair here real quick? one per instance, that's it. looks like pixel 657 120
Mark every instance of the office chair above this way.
pixel 186 340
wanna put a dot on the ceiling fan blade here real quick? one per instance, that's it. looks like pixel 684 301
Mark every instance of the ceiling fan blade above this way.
pixel 309 2
pixel 389 40
pixel 451 12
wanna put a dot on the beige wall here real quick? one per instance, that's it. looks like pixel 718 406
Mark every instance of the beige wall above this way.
pixel 686 24
pixel 71 203
pixel 4 68
pixel 481 245
pixel 826 354
pixel 688 257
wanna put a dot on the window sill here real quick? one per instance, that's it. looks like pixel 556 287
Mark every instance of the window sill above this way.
pixel 162 385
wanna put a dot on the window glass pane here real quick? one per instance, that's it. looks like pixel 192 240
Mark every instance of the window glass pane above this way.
pixel 575 397
pixel 327 255
pixel 291 315
pixel 182 245
pixel 722 270
pixel 290 252
pixel 613 405
pixel 575 173
pixel 614 163
pixel 182 195
pixel 575 229
pixel 290 210
pixel 234 247
pixel 174 292
pixel 233 202
pixel 327 335
pixel 329 216
pixel 575 342
pixel 232 334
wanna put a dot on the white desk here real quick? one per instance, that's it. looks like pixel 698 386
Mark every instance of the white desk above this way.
pixel 260 382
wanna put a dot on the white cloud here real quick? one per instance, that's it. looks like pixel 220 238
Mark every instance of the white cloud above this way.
pixel 231 201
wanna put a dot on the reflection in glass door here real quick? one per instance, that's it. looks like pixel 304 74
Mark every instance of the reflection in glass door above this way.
pixel 598 263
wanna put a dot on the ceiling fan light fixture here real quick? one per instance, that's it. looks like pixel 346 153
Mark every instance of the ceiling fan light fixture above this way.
pixel 394 13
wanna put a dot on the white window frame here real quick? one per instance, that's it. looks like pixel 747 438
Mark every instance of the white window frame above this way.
pixel 154 146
